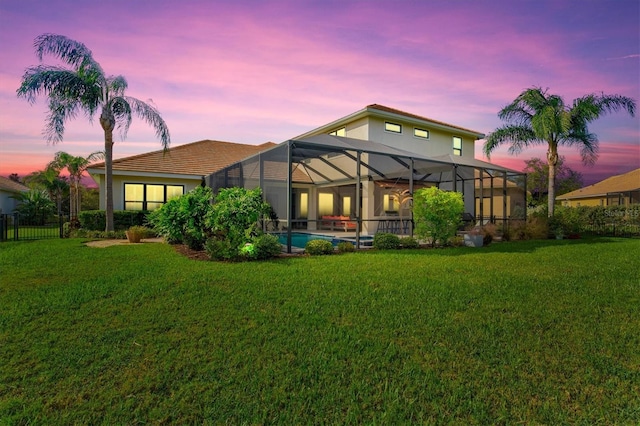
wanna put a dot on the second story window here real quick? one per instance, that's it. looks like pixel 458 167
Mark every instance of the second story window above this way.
pixel 342 131
pixel 457 145
pixel 420 133
pixel 392 127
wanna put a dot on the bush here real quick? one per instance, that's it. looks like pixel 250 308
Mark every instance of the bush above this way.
pixel 409 243
pixel 318 247
pixel 235 213
pixel 346 247
pixel 220 249
pixel 488 233
pixel 95 220
pixel 386 241
pixel 266 246
pixel 437 214
pixel 183 219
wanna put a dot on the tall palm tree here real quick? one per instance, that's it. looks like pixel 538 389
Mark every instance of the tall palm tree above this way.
pixel 536 117
pixel 76 167
pixel 85 87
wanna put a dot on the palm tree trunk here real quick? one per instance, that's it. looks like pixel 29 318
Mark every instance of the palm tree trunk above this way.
pixel 108 123
pixel 552 159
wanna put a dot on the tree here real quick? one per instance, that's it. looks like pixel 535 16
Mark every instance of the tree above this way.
pixel 85 87
pixel 49 180
pixel 437 214
pixel 15 177
pixel 76 167
pixel 34 206
pixel 536 117
pixel 537 171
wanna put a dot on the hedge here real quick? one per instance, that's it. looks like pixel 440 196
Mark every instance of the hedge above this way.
pixel 95 220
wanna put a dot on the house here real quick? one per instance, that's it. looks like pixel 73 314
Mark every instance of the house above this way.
pixel 146 181
pixel 616 190
pixel 9 188
pixel 354 166
pixel 344 175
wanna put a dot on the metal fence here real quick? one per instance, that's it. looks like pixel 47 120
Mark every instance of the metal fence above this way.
pixel 13 227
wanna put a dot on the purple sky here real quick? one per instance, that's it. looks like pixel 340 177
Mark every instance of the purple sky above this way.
pixel 257 71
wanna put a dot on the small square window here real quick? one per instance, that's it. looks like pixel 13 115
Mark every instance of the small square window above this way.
pixel 457 145
pixel 392 127
pixel 420 133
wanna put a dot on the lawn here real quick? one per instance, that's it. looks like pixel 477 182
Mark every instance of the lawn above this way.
pixel 539 332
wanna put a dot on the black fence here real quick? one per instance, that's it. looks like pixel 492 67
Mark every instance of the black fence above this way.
pixel 13 227
pixel 627 230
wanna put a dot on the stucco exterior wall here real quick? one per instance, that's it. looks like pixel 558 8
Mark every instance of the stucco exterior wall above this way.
pixel 7 204
pixel 439 142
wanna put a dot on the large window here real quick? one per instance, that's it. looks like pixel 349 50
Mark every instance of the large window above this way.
pixel 145 196
pixel 457 145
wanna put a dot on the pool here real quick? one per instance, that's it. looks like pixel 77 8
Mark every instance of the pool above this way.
pixel 300 239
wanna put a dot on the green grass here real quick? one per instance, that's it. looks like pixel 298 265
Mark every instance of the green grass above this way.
pixel 543 332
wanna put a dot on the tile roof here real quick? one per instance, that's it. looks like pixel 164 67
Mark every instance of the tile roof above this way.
pixel 620 183
pixel 8 185
pixel 418 117
pixel 196 158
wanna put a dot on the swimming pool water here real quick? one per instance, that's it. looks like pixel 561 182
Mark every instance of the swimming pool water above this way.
pixel 300 239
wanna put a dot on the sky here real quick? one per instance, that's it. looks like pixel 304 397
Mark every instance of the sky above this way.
pixel 251 71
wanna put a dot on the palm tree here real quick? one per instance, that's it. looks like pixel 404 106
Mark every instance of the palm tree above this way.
pixel 50 181
pixel 401 197
pixel 536 118
pixel 85 87
pixel 76 167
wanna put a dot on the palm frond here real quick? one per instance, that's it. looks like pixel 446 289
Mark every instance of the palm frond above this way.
pixel 520 137
pixel 60 110
pixel 148 112
pixel 67 50
pixel 614 103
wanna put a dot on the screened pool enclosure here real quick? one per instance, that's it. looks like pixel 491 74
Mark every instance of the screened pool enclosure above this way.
pixel 343 185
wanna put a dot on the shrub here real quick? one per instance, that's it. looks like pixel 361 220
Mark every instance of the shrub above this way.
pixel 346 247
pixel 183 219
pixel 318 247
pixel 409 243
pixel 235 214
pixel 488 233
pixel 95 220
pixel 220 249
pixel 266 246
pixel 386 241
pixel 437 214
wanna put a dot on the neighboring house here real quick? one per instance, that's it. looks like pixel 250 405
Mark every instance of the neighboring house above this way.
pixel 8 188
pixel 146 181
pixel 616 190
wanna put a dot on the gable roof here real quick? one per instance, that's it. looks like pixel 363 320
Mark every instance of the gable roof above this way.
pixel 377 110
pixel 620 183
pixel 9 185
pixel 196 158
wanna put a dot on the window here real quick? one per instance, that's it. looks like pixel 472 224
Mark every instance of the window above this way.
pixel 457 145
pixel 420 133
pixel 142 196
pixel 346 206
pixel 392 127
pixel 325 204
pixel 339 132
